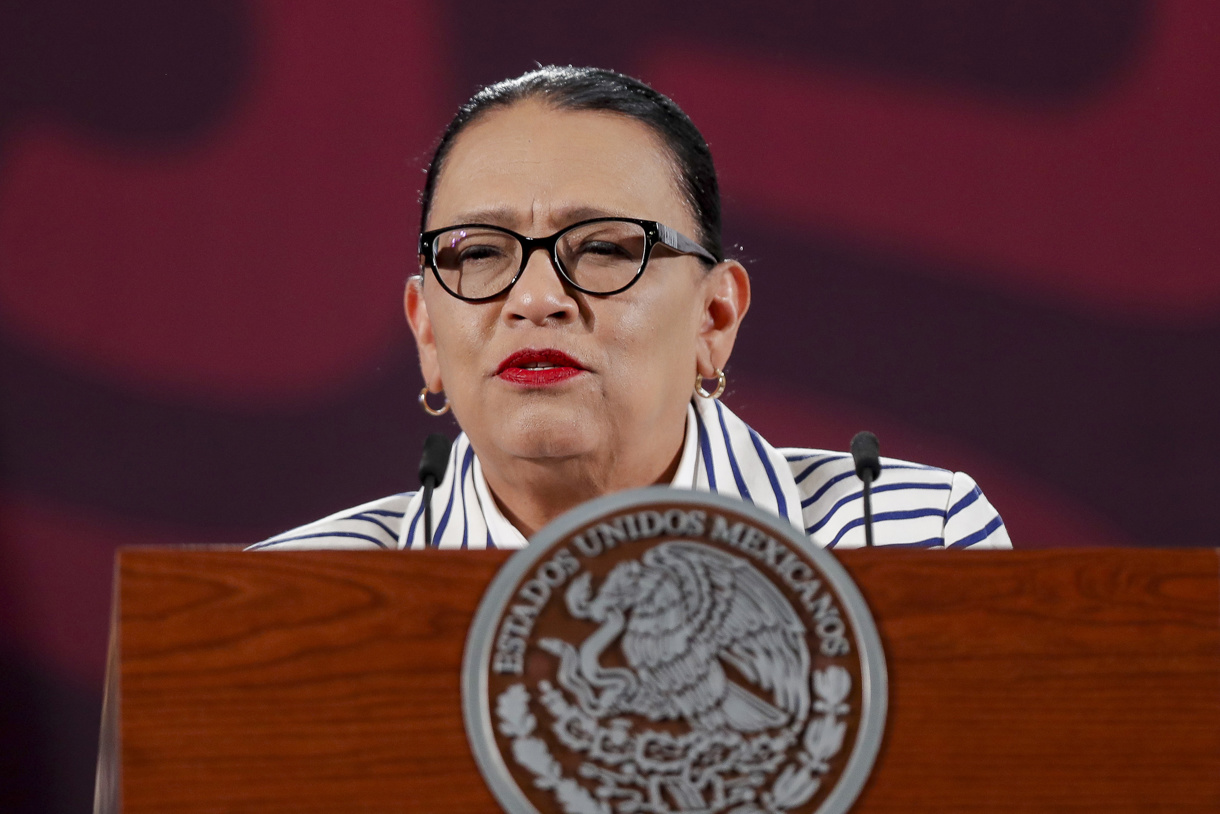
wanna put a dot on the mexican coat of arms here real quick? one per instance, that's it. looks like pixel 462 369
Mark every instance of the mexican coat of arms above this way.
pixel 667 652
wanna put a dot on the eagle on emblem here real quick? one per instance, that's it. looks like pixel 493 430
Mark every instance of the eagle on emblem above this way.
pixel 683 615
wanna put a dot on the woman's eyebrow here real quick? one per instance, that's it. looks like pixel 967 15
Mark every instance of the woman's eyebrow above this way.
pixel 511 218
pixel 572 214
pixel 496 215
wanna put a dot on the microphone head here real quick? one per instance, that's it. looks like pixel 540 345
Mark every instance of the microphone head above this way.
pixel 434 460
pixel 866 452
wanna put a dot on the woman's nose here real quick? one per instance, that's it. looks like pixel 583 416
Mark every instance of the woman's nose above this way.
pixel 540 292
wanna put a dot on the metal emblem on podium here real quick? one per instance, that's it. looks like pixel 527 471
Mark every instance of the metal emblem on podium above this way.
pixel 665 651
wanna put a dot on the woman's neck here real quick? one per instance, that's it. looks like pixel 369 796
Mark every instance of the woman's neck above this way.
pixel 532 493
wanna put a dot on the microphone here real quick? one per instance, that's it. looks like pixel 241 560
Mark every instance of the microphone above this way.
pixel 431 472
pixel 866 452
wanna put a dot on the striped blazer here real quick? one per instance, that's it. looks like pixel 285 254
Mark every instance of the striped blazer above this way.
pixel 913 505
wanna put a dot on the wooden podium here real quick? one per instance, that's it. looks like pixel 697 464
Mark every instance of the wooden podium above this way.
pixel 328 682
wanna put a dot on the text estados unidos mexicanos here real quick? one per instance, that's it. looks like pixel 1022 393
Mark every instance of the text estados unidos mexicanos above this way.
pixel 536 592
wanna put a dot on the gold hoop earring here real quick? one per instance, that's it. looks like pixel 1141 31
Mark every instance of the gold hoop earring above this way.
pixel 721 381
pixel 423 402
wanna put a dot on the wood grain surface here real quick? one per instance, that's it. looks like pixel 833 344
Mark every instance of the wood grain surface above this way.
pixel 326 681
pixel 1047 681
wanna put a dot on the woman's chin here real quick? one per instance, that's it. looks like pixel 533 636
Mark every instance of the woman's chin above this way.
pixel 549 434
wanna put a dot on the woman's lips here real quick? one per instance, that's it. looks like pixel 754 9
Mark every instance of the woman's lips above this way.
pixel 538 368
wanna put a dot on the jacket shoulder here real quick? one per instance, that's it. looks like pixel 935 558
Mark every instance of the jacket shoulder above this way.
pixel 914 505
pixel 373 525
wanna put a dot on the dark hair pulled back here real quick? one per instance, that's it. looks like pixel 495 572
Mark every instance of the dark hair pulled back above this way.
pixel 597 89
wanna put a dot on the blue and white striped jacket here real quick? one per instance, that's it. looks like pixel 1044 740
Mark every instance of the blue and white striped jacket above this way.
pixel 913 505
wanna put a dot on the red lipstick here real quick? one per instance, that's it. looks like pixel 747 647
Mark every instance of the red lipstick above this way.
pixel 538 368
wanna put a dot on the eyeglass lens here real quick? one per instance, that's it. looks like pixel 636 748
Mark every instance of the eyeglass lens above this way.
pixel 600 257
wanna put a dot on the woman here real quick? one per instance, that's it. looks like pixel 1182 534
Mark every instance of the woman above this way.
pixel 572 288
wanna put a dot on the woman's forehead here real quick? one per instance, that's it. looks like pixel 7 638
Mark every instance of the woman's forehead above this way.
pixel 531 166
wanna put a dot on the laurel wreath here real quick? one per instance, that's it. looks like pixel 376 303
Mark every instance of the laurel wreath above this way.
pixel 516 722
pixel 796 784
pixel 823 740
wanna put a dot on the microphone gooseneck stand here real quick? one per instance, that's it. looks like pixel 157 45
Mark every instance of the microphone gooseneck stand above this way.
pixel 431 473
pixel 866 452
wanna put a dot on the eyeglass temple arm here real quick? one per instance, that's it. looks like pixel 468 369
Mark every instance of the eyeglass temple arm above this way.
pixel 679 241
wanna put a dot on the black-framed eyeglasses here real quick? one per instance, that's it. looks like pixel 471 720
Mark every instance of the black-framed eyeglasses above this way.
pixel 477 262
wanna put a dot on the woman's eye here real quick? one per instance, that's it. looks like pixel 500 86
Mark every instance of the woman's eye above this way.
pixel 474 254
pixel 603 248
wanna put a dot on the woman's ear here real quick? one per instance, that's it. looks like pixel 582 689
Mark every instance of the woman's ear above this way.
pixel 726 301
pixel 421 326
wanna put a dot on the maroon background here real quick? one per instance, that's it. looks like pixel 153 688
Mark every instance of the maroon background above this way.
pixel 985 230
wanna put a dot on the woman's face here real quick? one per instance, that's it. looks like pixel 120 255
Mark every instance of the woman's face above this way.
pixel 546 373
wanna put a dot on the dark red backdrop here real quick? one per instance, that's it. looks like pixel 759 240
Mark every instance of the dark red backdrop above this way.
pixel 985 230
